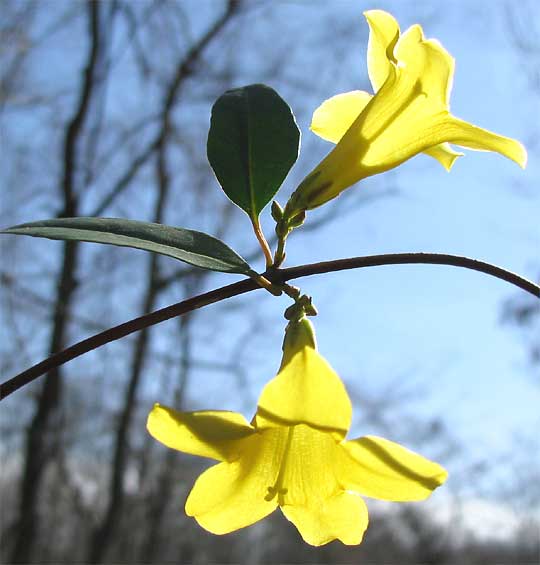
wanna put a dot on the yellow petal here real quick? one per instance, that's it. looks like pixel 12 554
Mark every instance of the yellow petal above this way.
pixel 444 154
pixel 343 517
pixel 307 474
pixel 306 391
pixel 427 64
pixel 230 496
pixel 308 490
pixel 334 116
pixel 467 135
pixel 215 434
pixel 383 36
pixel 380 468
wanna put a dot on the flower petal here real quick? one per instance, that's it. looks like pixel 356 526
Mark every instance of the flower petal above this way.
pixel 343 517
pixel 307 474
pixel 380 468
pixel 444 154
pixel 230 496
pixel 383 36
pixel 467 135
pixel 334 116
pixel 311 495
pixel 306 391
pixel 211 433
pixel 427 63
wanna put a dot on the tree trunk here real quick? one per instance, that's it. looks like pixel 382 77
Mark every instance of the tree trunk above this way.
pixel 42 427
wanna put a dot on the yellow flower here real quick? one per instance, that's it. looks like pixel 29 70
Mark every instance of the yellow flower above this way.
pixel 293 455
pixel 410 113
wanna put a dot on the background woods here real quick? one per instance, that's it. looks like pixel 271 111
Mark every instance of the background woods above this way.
pixel 104 111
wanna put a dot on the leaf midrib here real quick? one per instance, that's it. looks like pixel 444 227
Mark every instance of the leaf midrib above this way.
pixel 254 215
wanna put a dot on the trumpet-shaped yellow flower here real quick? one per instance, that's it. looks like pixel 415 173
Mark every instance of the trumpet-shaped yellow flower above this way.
pixel 409 114
pixel 293 455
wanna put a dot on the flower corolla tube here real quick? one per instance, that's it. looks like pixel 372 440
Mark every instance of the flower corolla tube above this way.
pixel 408 114
pixel 293 455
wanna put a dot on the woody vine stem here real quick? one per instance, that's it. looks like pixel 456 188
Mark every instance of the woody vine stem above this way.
pixel 275 276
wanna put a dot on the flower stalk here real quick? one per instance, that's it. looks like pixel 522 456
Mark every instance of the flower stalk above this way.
pixel 262 242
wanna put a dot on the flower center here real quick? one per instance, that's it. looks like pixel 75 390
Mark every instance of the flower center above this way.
pixel 278 489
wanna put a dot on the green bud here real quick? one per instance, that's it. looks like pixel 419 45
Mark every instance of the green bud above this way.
pixel 276 211
pixel 297 220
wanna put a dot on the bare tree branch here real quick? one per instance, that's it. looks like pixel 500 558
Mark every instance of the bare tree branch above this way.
pixel 185 69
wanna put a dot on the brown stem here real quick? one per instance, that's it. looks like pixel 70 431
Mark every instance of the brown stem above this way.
pixel 277 276
pixel 262 242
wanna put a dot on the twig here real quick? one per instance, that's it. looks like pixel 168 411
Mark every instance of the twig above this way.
pixel 278 276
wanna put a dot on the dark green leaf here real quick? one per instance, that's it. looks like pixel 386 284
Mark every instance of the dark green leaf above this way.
pixel 193 247
pixel 252 144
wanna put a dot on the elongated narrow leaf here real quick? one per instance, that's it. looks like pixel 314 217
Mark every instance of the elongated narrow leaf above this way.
pixel 193 247
pixel 252 144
